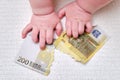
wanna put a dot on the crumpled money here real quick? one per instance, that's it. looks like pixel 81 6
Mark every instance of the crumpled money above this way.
pixel 84 47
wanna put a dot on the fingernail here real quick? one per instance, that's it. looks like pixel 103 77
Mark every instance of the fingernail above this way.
pixel 42 48
pixel 23 36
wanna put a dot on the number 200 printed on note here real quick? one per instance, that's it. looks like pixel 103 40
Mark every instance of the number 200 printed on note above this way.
pixel 32 57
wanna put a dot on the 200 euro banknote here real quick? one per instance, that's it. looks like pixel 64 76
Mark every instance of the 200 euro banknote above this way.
pixel 84 47
pixel 32 57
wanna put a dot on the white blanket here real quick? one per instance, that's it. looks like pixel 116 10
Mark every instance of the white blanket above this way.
pixel 105 65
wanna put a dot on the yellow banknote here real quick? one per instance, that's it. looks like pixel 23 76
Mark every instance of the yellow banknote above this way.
pixel 84 47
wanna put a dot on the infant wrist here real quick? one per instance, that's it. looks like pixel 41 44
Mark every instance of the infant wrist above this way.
pixel 92 6
pixel 43 11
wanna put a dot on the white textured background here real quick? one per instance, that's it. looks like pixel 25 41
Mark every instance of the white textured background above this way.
pixel 105 65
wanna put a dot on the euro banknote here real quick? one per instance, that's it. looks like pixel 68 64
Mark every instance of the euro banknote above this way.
pixel 32 57
pixel 84 47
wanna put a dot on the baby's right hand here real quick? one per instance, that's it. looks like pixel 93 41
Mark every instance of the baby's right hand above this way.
pixel 42 28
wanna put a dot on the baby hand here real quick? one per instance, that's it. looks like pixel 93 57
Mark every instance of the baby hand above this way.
pixel 42 28
pixel 77 19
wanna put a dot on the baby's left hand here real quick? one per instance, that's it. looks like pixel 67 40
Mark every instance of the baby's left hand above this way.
pixel 77 19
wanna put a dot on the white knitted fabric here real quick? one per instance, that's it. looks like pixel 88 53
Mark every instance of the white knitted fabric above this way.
pixel 105 65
